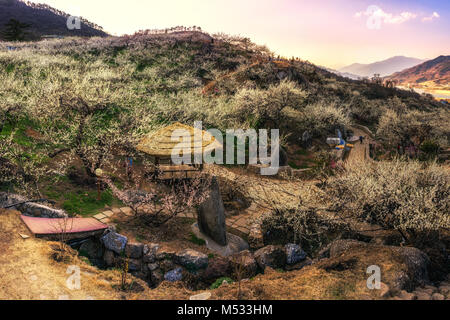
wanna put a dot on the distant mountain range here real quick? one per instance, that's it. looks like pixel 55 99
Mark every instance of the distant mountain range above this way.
pixel 342 74
pixel 436 71
pixel 43 20
pixel 383 68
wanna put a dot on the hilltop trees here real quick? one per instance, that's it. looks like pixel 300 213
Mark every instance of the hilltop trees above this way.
pixel 85 120
pixel 266 107
pixel 15 30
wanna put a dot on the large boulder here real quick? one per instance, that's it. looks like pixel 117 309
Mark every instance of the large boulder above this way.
pixel 192 259
pixel 416 263
pixel 402 268
pixel 114 242
pixel 174 275
pixel 217 268
pixel 294 253
pixel 134 250
pixel 244 262
pixel 211 215
pixel 271 256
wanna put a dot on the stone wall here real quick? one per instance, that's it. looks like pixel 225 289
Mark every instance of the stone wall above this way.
pixel 154 263
pixel 30 208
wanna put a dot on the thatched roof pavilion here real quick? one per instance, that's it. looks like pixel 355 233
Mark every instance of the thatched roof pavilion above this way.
pixel 159 143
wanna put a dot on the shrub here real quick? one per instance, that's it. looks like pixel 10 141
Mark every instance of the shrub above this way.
pixel 297 225
pixel 411 197
pixel 321 118
pixel 267 106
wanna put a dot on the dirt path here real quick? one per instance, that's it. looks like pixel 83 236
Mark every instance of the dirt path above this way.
pixel 210 85
pixel 360 152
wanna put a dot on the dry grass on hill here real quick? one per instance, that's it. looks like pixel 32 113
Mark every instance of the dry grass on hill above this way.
pixel 29 272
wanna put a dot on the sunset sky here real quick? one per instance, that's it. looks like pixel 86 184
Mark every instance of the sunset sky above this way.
pixel 331 33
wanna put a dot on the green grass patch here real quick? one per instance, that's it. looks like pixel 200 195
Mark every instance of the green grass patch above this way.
pixel 85 202
pixel 194 239
pixel 219 282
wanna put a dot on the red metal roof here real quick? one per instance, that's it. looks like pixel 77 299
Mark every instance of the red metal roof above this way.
pixel 41 226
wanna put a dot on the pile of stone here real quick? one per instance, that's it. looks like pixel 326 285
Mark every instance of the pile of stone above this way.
pixel 31 209
pixel 154 263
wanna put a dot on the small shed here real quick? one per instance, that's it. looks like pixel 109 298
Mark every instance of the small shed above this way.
pixel 160 144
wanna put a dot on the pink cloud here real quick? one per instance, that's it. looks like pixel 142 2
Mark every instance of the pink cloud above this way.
pixel 388 18
pixel 435 15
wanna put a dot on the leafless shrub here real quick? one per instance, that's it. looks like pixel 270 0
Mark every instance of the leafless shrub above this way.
pixel 62 228
pixel 164 201
pixel 407 196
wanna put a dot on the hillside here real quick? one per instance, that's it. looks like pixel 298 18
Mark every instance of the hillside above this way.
pixel 43 20
pixel 384 67
pixel 436 71
pixel 75 105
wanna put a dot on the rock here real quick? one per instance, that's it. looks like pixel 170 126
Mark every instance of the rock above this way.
pixel 417 266
pixel 156 277
pixel 437 296
pixel 300 265
pixel 152 266
pixel 134 265
pixel 149 252
pixel 255 237
pixel 92 249
pixel 192 259
pixel 271 256
pixel 167 265
pixel 201 296
pixel 404 295
pixel 115 242
pixel 165 254
pixel 422 296
pixel 109 258
pixel 174 275
pixel 294 253
pixel 338 247
pixel 444 289
pixel 245 261
pixel 217 268
pixel 211 215
pixel 428 291
pixel 134 250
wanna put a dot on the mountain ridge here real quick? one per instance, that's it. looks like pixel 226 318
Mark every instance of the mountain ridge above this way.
pixel 43 20
pixel 435 71
pixel 383 68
